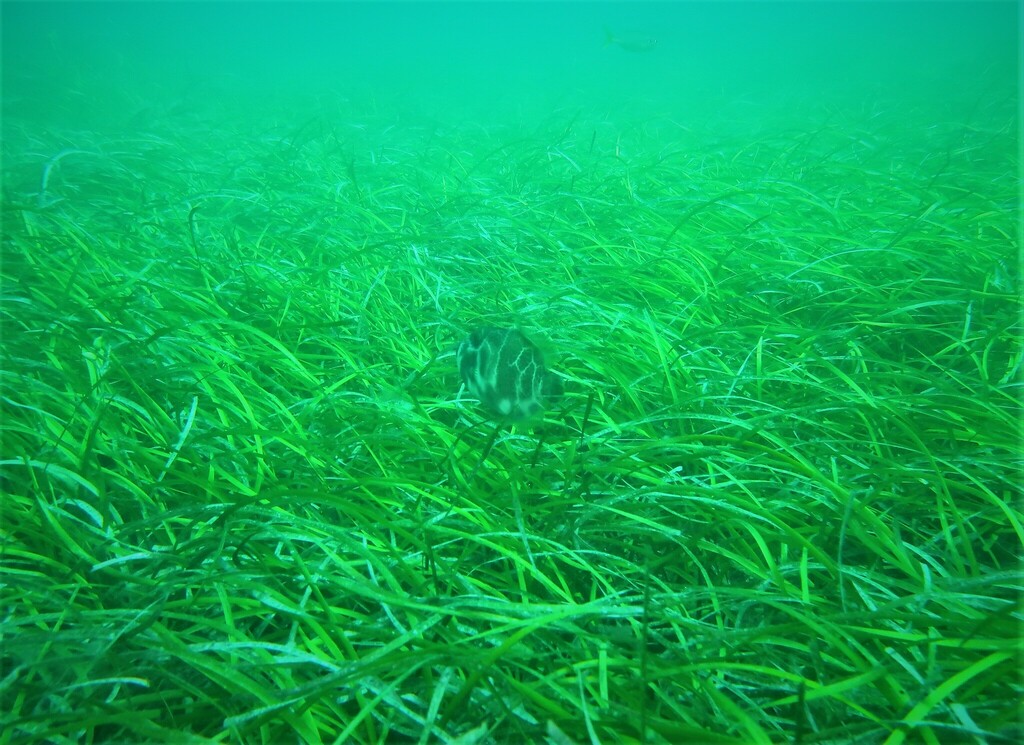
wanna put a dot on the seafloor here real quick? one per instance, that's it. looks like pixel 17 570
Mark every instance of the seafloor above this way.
pixel 244 500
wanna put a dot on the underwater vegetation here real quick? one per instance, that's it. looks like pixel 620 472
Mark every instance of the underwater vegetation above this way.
pixel 779 499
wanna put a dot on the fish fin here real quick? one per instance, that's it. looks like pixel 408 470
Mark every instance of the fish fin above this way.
pixel 609 37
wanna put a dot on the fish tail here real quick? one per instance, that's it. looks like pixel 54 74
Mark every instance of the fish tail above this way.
pixel 609 37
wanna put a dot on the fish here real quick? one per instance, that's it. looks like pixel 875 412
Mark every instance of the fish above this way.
pixel 506 372
pixel 630 42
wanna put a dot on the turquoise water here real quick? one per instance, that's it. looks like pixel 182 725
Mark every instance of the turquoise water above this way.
pixel 502 62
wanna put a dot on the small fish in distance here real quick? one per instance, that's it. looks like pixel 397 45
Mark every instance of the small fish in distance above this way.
pixel 630 42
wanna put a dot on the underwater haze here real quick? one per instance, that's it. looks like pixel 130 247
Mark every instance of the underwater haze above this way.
pixel 500 63
pixel 511 372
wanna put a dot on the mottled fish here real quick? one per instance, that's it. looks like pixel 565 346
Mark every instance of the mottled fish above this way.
pixel 631 42
pixel 503 369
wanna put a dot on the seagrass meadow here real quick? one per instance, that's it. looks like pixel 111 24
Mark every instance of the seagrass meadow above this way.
pixel 246 497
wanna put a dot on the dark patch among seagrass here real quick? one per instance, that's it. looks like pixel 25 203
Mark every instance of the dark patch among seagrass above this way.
pixel 504 369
